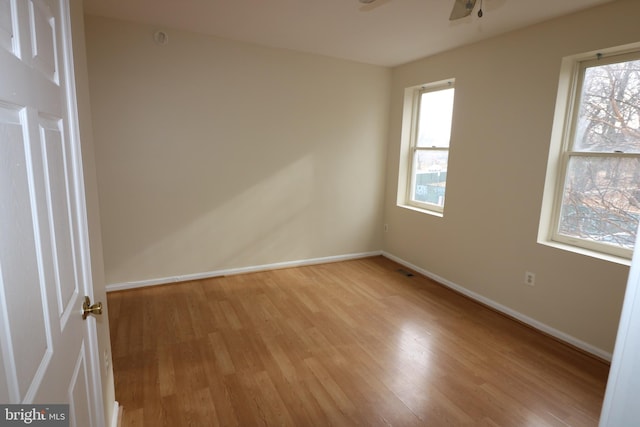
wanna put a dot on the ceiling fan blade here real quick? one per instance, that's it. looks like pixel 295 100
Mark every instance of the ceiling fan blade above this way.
pixel 462 8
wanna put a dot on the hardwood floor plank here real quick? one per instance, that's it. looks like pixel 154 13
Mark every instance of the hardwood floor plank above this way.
pixel 303 407
pixel 166 372
pixel 222 397
pixel 245 410
pixel 348 343
pixel 265 398
pixel 133 418
pixel 220 354
pixel 230 315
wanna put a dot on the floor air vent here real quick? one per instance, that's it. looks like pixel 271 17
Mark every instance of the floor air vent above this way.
pixel 405 272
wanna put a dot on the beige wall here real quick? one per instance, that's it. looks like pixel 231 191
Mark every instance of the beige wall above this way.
pixel 213 154
pixel 505 99
pixel 91 192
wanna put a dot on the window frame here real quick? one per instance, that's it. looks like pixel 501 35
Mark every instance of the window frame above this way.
pixel 562 151
pixel 413 147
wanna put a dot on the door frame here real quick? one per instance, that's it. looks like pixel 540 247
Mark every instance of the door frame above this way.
pixel 90 327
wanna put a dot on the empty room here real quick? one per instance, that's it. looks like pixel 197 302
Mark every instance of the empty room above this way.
pixel 334 212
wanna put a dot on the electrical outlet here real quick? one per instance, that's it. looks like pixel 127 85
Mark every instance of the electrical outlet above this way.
pixel 529 278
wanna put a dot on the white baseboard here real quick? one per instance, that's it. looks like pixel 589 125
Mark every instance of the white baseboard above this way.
pixel 115 416
pixel 506 310
pixel 241 270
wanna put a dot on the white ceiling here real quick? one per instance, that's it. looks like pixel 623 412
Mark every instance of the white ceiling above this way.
pixel 387 32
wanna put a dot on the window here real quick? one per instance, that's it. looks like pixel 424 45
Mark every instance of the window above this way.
pixel 596 203
pixel 430 113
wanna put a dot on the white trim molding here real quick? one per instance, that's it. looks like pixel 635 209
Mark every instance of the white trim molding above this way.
pixel 240 270
pixel 115 416
pixel 573 341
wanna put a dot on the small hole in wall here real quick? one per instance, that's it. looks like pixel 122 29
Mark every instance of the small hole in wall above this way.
pixel 160 37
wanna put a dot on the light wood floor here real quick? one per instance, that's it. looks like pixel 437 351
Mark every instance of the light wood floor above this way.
pixel 349 343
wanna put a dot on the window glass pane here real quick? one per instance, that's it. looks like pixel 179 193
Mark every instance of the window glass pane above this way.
pixel 609 111
pixel 434 122
pixel 430 176
pixel 601 200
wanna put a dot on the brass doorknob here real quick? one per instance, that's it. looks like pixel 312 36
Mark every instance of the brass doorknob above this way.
pixel 88 308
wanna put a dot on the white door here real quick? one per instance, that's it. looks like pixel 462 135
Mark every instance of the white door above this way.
pixel 620 407
pixel 48 353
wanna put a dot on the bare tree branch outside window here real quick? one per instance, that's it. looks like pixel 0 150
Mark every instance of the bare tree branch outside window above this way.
pixel 601 197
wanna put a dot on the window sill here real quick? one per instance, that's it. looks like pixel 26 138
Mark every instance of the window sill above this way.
pixel 586 252
pixel 421 210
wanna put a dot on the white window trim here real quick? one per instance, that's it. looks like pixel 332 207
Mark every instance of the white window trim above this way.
pixel 561 134
pixel 410 114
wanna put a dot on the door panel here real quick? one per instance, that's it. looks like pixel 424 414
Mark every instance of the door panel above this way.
pixel 78 390
pixel 19 260
pixel 42 24
pixel 60 217
pixel 6 25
